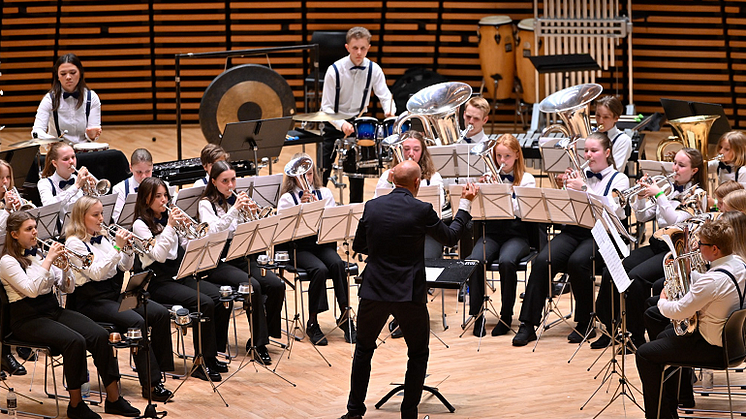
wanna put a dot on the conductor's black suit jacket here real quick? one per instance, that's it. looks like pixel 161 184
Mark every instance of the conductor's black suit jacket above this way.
pixel 392 233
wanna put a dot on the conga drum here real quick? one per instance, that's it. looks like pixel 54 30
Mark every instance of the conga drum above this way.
pixel 524 68
pixel 497 55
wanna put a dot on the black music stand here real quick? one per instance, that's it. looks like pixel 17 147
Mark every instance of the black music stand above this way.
pixel 47 220
pixel 188 200
pixel 681 108
pixel 127 215
pixel 257 139
pixel 565 64
pixel 23 160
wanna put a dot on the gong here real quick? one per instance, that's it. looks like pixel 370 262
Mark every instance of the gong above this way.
pixel 244 93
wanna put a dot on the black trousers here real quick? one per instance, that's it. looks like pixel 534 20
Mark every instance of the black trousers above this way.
pixel 331 134
pixel 322 261
pixel 414 321
pixel 508 251
pixel 42 321
pixel 106 309
pixel 572 253
pixel 643 265
pixel 669 348
pixel 183 292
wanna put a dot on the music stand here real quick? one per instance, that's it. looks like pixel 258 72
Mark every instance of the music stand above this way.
pixel 655 168
pixel 257 139
pixel 47 220
pixel 127 215
pixel 675 109
pixel 554 159
pixel 188 200
pixel 266 189
pixel 22 160
pixel 454 161
pixel 201 255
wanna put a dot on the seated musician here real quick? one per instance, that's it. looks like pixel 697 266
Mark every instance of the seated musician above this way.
pixel 347 87
pixel 721 192
pixel 476 114
pixel 506 241
pixel 70 109
pixel 735 201
pixel 141 166
pixel 29 279
pixel 608 110
pixel 58 182
pixel 98 290
pixel 153 219
pixel 572 250
pixel 732 145
pixel 208 156
pixel 321 261
pixel 644 265
pixel 9 200
pixel 713 296
pixel 221 210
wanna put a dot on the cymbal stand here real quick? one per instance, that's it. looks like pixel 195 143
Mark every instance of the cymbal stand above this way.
pixel 624 388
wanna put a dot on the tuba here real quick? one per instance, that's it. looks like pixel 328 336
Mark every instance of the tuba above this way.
pixel 692 132
pixel 435 106
pixel 573 105
pixel 484 150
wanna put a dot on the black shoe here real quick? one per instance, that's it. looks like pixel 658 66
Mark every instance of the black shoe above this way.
pixel 687 403
pixel 218 366
pixel 200 373
pixel 479 327
pixel 121 407
pixel 81 411
pixel 395 330
pixel 315 334
pixel 159 393
pixel 12 366
pixel 577 337
pixel 349 416
pixel 262 355
pixel 349 330
pixel 502 327
pixel 26 353
pixel 525 335
pixel 601 342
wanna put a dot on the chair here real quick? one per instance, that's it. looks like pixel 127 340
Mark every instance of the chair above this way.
pixel 302 276
pixel 734 344
pixel 331 48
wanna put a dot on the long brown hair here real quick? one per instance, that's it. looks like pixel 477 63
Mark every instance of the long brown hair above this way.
pixel 56 90
pixel 12 247
pixel 697 162
pixel 289 182
pixel 427 167
pixel 145 196
pixel 52 154
pixel 211 193
pixel 76 226
pixel 737 220
pixel 519 167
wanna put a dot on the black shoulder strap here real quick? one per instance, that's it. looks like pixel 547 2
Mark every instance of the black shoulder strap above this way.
pixel 51 182
pixel 367 88
pixel 87 106
pixel 608 185
pixel 56 117
pixel 292 195
pixel 617 136
pixel 126 187
pixel 337 89
pixel 732 278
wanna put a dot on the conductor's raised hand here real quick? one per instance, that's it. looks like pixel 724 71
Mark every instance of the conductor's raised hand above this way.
pixel 469 191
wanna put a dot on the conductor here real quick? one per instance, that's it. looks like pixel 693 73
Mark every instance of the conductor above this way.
pixel 392 233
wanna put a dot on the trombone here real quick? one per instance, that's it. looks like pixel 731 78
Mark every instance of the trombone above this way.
pixel 190 229
pixel 138 244
pixel 64 261
pixel 93 186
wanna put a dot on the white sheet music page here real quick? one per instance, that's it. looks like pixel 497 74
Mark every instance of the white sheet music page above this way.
pixel 611 257
pixel 531 202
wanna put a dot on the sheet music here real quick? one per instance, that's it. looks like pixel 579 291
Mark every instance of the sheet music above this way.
pixel 554 158
pixel 612 259
pixel 242 238
pixel 266 190
pixel 310 217
pixel 188 200
pixel 582 207
pixel 108 201
pixel 531 202
pixel 559 206
pixel 127 216
pixel 340 223
pixel 455 161
pixel 46 220
pixel 612 223
pixel 494 201
pixel 430 193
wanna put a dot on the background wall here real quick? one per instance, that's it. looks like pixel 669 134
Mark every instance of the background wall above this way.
pixel 688 50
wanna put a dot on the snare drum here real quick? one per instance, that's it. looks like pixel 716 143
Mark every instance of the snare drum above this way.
pixel 90 147
pixel 497 55
pixel 526 71
pixel 366 131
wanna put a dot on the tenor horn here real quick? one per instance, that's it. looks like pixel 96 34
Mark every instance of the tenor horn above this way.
pixel 297 168
pixel 692 132
pixel 484 150
pixel 436 107
pixel 573 105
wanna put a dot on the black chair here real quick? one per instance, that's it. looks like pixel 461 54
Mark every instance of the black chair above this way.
pixel 734 345
pixel 331 48
pixel 302 276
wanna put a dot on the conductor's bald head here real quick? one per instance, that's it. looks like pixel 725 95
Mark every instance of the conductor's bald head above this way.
pixel 407 175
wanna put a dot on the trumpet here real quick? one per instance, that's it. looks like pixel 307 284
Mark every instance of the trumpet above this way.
pixel 23 205
pixel 247 214
pixel 625 196
pixel 136 243
pixel 189 228
pixel 93 186
pixel 64 261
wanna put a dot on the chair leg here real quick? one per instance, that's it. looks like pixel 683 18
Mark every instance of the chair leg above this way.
pixel 730 396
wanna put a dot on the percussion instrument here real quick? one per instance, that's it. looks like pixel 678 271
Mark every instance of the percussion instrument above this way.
pixel 366 131
pixel 496 55
pixel 182 172
pixel 33 142
pixel 390 123
pixel 90 147
pixel 319 117
pixel 525 70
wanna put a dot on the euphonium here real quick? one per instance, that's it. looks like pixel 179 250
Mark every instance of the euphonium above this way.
pixel 190 229
pixel 692 132
pixel 484 150
pixel 24 204
pixel 94 187
pixel 64 261
pixel 626 196
pixel 138 244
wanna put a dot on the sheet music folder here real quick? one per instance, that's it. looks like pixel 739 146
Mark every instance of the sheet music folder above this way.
pixel 565 63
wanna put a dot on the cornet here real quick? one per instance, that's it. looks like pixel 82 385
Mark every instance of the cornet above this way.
pixel 23 205
pixel 64 261
pixel 664 182
pixel 93 186
pixel 247 214
pixel 190 229
pixel 136 243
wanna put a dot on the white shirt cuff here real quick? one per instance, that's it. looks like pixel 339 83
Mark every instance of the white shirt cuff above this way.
pixel 464 204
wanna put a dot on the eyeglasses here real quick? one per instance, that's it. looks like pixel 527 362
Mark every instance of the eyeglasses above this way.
pixel 704 244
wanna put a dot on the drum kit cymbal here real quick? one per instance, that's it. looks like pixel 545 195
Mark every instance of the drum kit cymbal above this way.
pixel 33 142
pixel 319 117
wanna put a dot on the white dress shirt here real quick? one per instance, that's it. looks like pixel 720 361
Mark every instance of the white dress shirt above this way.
pixel 527 180
pixel 435 179
pixel 201 181
pixel 106 259
pixel 34 281
pixel 478 137
pixel 220 220
pixel 602 188
pixel 70 118
pixel 664 210
pixel 724 175
pixel 712 296
pixel 166 243
pixel 50 192
pixel 621 147
pixel 287 201
pixel 352 86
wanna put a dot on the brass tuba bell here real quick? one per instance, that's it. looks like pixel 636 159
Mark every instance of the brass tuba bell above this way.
pixel 436 107
pixel 692 132
pixel 573 105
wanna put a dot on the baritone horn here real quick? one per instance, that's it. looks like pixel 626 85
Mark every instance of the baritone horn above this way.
pixel 691 132
pixel 297 168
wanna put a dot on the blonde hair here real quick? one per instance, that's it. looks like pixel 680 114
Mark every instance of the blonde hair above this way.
pixel 519 167
pixel 76 225
pixel 290 182
pixel 737 221
pixel 480 103
pixel 10 172
pixel 736 200
pixel 737 141
pixel 725 188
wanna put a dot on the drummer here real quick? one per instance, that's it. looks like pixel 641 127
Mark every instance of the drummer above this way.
pixel 476 114
pixel 70 109
pixel 347 87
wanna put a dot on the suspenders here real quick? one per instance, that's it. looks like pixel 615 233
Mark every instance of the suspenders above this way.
pixel 297 200
pixel 608 185
pixel 87 113
pixel 338 87
pixel 732 278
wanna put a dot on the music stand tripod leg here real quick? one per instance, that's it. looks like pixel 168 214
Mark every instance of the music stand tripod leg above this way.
pixel 150 409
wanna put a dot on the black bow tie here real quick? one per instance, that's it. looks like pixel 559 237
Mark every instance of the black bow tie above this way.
pixel 96 239
pixel 231 200
pixel 136 188
pixel 678 188
pixel 162 221
pixel 509 178
pixel 64 183
pixel 591 175
pixel 31 252
pixel 74 94
pixel 724 166
pixel 467 139
pixel 357 67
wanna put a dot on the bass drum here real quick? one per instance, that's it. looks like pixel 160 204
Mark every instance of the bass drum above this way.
pixel 524 68
pixel 244 93
pixel 497 55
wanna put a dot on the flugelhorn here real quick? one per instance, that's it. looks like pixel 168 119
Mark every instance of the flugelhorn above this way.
pixel 484 150
pixel 188 228
pixel 626 196
pixel 93 186
pixel 64 261
pixel 22 205
pixel 138 244
pixel 297 168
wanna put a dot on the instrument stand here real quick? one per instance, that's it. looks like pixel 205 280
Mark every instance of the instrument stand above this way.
pixel 201 255
pixel 338 169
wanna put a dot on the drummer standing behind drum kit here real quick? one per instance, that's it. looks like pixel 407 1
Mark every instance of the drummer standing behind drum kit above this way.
pixel 347 87
pixel 70 108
